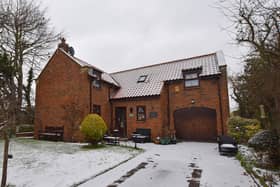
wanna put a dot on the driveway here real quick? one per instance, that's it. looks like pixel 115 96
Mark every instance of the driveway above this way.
pixel 184 164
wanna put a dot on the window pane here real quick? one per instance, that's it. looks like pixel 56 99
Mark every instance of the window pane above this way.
pixel 142 78
pixel 96 83
pixel 141 117
pixel 96 109
pixel 190 83
pixel 140 109
pixel 141 113
pixel 191 76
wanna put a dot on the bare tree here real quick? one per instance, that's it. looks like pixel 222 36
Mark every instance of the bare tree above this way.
pixel 26 36
pixel 256 24
pixel 7 107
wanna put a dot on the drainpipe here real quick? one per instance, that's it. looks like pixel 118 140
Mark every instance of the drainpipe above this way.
pixel 111 107
pixel 168 105
pixel 220 104
pixel 90 95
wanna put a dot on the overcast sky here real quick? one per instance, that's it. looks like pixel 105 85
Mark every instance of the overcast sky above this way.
pixel 116 35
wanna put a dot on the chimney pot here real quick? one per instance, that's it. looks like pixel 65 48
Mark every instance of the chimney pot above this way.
pixel 63 45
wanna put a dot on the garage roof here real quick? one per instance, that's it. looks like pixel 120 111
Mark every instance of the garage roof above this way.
pixel 158 73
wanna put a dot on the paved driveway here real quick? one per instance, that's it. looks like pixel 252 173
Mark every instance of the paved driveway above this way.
pixel 184 164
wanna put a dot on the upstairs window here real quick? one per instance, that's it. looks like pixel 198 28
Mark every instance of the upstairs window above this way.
pixel 96 109
pixel 96 83
pixel 141 113
pixel 96 79
pixel 191 79
pixel 142 78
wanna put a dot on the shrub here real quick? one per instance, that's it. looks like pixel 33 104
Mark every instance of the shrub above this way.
pixel 26 128
pixel 93 128
pixel 264 140
pixel 242 129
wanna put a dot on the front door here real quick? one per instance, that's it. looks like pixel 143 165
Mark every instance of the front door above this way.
pixel 121 120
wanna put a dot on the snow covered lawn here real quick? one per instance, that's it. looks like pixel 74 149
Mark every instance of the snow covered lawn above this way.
pixel 43 163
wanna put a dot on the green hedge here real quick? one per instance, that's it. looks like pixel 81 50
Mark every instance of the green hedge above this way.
pixel 242 129
pixel 26 128
pixel 93 128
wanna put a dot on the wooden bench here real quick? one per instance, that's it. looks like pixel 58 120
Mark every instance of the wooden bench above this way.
pixel 112 140
pixel 53 133
pixel 141 135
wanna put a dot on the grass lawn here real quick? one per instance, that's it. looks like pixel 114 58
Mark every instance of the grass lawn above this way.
pixel 43 163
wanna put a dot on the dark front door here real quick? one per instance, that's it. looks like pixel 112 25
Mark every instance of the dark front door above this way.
pixel 121 120
pixel 196 124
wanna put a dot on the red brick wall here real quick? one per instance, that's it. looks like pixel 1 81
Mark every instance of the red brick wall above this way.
pixel 224 96
pixel 152 105
pixel 100 96
pixel 206 95
pixel 61 82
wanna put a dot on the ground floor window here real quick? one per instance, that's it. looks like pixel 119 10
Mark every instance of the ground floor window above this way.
pixel 96 109
pixel 141 113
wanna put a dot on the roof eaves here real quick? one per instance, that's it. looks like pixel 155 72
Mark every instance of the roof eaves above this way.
pixel 46 64
pixel 130 97
pixel 81 62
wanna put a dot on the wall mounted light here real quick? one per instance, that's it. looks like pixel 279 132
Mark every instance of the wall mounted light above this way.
pixel 193 101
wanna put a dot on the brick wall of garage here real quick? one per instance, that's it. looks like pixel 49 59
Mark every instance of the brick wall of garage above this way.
pixel 153 104
pixel 206 95
pixel 61 83
pixel 224 96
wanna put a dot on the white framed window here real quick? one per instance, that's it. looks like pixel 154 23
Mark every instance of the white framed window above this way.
pixel 191 79
pixel 141 113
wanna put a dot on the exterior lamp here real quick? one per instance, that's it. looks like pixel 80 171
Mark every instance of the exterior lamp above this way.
pixel 262 111
pixel 6 105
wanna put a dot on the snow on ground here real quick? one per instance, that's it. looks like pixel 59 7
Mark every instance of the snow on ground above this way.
pixel 42 163
pixel 250 155
pixel 174 165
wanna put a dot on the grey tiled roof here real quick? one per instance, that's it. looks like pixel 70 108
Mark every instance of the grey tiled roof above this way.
pixel 157 74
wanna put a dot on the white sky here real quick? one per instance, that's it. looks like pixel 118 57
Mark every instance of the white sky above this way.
pixel 116 35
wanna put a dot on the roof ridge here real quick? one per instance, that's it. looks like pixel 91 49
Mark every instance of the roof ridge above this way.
pixel 163 63
pixel 79 61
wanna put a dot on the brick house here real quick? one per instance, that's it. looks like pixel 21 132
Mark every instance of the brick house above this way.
pixel 187 97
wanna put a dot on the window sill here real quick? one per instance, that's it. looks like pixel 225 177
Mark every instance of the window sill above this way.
pixel 140 121
pixel 192 87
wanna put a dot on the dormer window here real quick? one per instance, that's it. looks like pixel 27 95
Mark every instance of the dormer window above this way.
pixel 142 78
pixel 191 79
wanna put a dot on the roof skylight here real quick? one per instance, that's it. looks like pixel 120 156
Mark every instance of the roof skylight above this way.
pixel 142 78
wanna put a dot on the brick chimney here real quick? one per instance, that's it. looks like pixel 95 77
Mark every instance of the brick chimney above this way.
pixel 63 45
